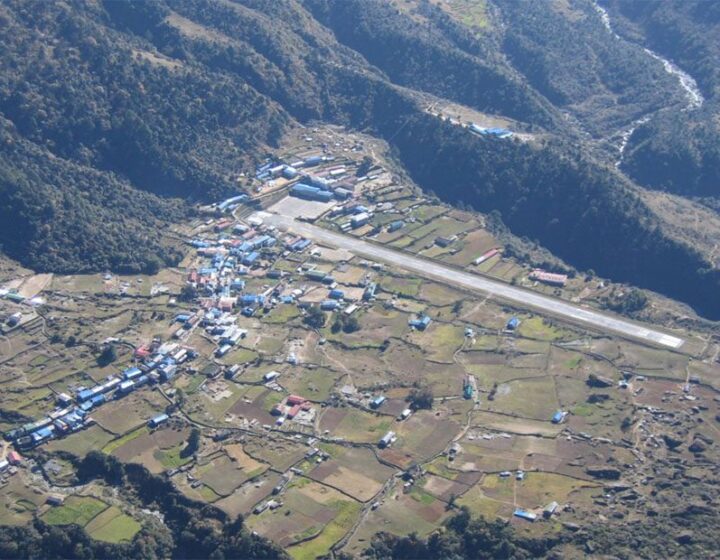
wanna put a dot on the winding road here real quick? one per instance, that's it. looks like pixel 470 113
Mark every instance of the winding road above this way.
pixel 438 271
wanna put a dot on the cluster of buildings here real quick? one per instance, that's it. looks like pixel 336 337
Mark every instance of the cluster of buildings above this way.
pixel 229 261
pixel 9 465
pixel 295 408
pixel 156 364
pixel 332 183
pixel 313 177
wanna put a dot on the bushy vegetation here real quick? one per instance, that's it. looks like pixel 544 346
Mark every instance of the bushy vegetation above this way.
pixel 568 55
pixel 464 537
pixel 628 302
pixel 421 398
pixel 580 210
pixel 679 151
pixel 315 317
pixel 190 529
pixel 140 102
pixel 346 324
pixel 193 444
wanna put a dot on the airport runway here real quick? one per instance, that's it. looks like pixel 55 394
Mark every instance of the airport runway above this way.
pixel 436 270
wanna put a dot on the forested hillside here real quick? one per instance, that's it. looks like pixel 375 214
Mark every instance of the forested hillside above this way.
pixel 566 54
pixel 678 151
pixel 117 114
pixel 554 193
pixel 58 214
pixel 188 530
pixel 437 58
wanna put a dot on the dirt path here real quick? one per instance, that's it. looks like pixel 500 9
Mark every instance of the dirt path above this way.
pixel 33 285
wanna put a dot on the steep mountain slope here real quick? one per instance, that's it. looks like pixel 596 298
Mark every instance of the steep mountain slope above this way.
pixel 173 98
pixel 434 56
pixel 59 215
pixel 566 53
pixel 678 151
pixel 94 95
pixel 554 193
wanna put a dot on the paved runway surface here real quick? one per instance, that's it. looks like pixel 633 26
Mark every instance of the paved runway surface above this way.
pixel 433 269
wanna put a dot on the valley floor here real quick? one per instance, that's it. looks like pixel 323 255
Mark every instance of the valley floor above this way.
pixel 342 388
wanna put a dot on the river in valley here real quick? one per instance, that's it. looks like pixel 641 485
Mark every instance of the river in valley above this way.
pixel 693 95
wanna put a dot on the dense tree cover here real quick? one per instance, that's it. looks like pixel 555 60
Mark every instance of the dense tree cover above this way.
pixel 581 211
pixel 40 540
pixel 678 151
pixel 107 102
pixel 569 56
pixel 464 537
pixel 59 215
pixel 686 31
pixel 190 529
pixel 428 58
pixel 99 98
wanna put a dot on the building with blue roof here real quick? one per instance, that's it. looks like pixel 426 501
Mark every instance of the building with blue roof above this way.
pixel 97 400
pixel 308 192
pixel 158 420
pixel 312 161
pixel 524 514
pixel 396 225
pixel 42 434
pixel 252 299
pixel 250 258
pixel 131 373
pixel 300 245
pixel 289 172
pixel 377 401
pixel 420 324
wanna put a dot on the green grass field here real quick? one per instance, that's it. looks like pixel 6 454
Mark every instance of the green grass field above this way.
pixel 78 510
pixel 113 526
pixel 122 440
pixel 319 546
pixel 170 458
